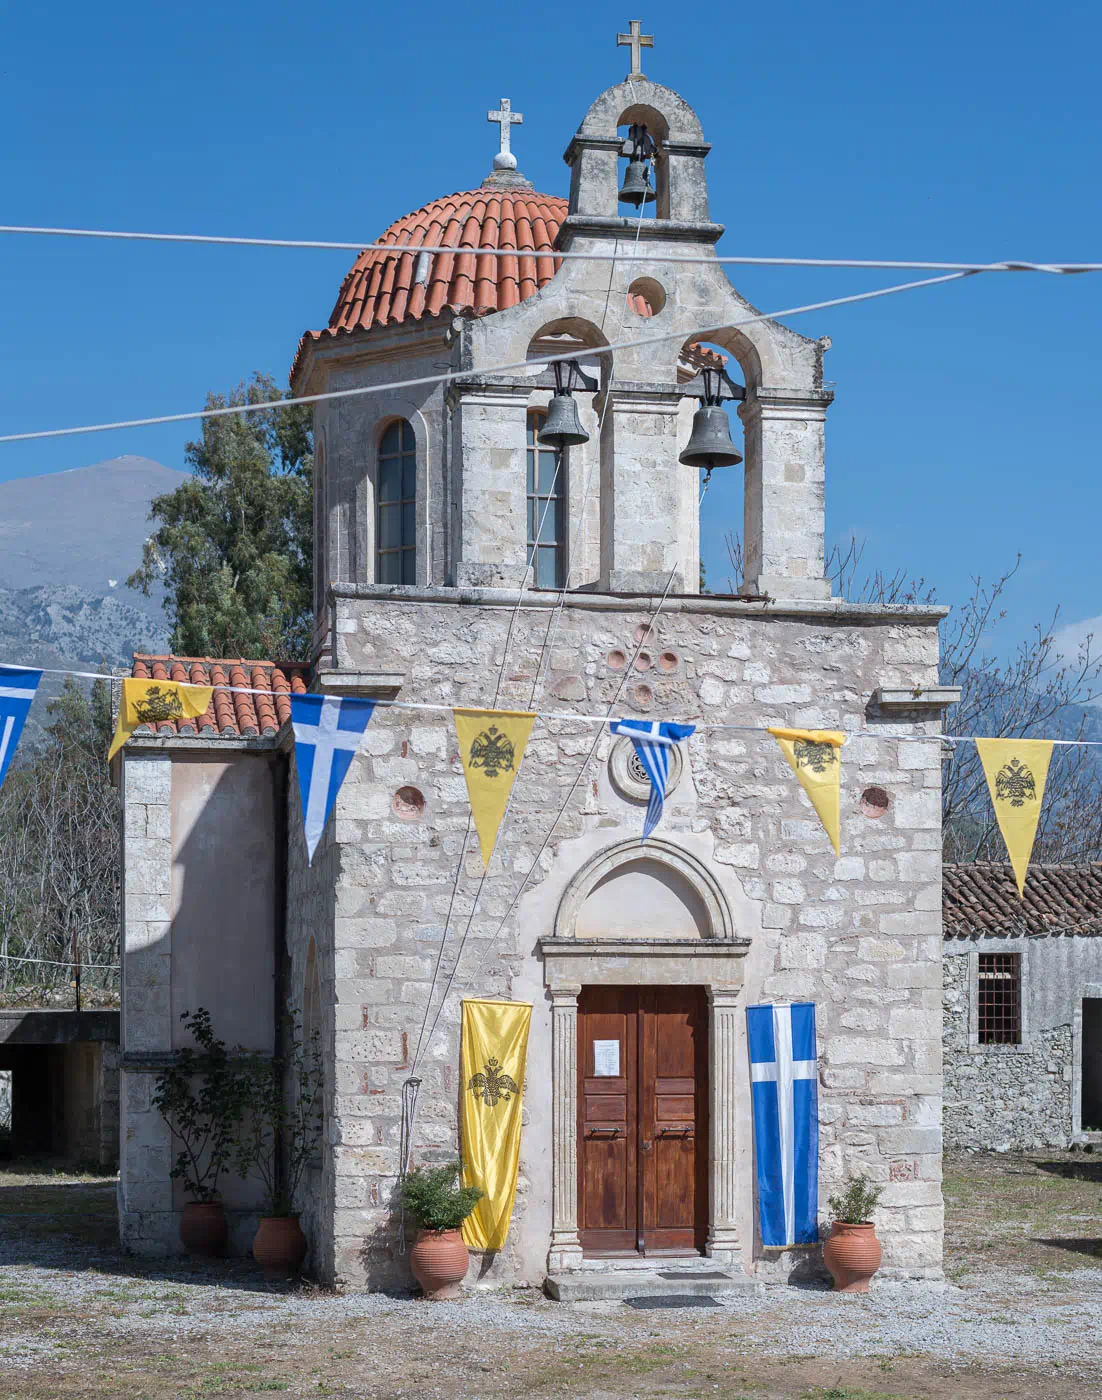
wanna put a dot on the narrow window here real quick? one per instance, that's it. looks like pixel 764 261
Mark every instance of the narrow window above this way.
pixel 1091 1115
pixel 1000 999
pixel 396 526
pixel 546 510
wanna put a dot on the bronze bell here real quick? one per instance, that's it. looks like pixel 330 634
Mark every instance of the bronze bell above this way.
pixel 710 444
pixel 562 427
pixel 636 188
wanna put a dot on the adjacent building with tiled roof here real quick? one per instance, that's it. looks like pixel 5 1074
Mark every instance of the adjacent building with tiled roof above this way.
pixel 1022 1006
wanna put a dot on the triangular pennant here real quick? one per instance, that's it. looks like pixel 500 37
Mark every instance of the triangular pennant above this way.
pixel 815 756
pixel 156 702
pixel 17 688
pixel 1016 771
pixel 327 735
pixel 491 746
pixel 652 741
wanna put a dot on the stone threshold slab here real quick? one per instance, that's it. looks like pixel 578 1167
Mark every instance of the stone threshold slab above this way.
pixel 616 1285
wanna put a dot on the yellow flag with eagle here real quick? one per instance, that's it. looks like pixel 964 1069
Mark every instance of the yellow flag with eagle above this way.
pixel 815 756
pixel 1016 771
pixel 493 1051
pixel 153 702
pixel 491 745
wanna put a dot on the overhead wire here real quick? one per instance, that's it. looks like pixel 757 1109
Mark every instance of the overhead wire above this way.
pixel 742 260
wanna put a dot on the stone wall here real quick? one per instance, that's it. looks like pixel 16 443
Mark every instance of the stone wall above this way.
pixel 200 896
pixel 860 936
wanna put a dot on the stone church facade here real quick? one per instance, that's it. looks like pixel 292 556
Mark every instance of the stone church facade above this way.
pixel 422 497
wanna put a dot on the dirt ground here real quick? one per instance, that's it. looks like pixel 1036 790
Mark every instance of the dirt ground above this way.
pixel 1021 1316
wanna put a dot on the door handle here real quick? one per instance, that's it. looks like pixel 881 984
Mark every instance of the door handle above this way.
pixel 683 1133
pixel 608 1133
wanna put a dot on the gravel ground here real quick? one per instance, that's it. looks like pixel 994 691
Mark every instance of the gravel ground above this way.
pixel 1022 1318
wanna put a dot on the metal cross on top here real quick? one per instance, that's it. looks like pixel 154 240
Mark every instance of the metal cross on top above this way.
pixel 505 118
pixel 637 43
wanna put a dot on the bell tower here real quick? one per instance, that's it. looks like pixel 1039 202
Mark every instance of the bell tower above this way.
pixel 662 282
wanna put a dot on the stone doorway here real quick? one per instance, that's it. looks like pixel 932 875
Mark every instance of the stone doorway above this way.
pixel 642 1121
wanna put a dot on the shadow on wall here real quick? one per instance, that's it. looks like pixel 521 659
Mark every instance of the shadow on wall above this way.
pixel 385 1264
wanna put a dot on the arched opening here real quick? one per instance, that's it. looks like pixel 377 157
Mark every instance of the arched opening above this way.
pixel 569 542
pixel 658 131
pixel 396 504
pixel 722 505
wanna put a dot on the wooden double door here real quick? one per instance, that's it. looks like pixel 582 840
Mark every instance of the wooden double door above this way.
pixel 642 1119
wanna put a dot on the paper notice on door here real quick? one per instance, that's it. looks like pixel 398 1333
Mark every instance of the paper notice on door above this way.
pixel 606 1059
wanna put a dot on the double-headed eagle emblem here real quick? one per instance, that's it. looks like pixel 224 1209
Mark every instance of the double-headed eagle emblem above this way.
pixel 1014 783
pixel 158 705
pixel 492 1086
pixel 493 752
pixel 817 757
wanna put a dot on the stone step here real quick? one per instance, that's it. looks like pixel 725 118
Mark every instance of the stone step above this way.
pixel 618 1284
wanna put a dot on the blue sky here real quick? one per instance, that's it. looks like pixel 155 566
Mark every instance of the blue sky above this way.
pixel 965 423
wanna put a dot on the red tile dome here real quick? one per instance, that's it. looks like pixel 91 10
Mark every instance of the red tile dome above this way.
pixel 384 288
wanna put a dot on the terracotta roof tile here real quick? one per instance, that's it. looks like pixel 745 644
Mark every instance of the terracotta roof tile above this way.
pixel 383 288
pixel 230 715
pixel 982 898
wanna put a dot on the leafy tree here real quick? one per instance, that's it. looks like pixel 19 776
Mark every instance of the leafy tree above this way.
pixel 234 545
pixel 59 849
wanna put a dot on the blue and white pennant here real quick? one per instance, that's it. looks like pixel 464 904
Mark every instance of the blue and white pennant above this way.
pixel 784 1079
pixel 653 741
pixel 327 734
pixel 17 691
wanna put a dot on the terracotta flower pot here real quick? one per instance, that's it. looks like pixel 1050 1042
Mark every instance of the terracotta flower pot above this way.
pixel 279 1246
pixel 203 1228
pixel 439 1262
pixel 852 1254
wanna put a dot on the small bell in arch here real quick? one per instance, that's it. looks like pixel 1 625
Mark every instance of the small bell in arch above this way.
pixel 562 427
pixel 710 444
pixel 639 148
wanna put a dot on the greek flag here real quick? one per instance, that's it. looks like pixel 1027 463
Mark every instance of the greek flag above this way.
pixel 653 740
pixel 327 735
pixel 17 688
pixel 784 1085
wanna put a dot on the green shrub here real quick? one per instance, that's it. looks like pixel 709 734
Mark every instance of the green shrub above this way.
pixel 856 1203
pixel 434 1198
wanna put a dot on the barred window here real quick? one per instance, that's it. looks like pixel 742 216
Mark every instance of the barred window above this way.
pixel 546 514
pixel 1000 999
pixel 396 494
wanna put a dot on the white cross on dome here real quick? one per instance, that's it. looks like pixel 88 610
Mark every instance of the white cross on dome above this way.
pixel 505 118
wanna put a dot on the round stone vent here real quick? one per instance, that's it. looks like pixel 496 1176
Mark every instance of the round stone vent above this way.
pixel 628 775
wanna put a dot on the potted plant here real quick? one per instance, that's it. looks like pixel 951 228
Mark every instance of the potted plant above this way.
pixel 852 1251
pixel 282 1100
pixel 439 1205
pixel 198 1096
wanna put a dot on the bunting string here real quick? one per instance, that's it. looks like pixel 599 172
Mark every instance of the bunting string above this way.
pixel 558 715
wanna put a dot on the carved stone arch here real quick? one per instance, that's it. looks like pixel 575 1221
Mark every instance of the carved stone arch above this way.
pixel 387 409
pixel 611 109
pixel 665 860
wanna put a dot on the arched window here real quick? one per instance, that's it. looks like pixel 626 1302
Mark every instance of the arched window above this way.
pixel 395 515
pixel 546 510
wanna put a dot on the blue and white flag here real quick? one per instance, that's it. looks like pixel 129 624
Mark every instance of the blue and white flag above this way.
pixel 653 741
pixel 785 1089
pixel 327 734
pixel 17 688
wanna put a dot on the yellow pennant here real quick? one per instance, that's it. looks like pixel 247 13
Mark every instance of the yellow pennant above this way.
pixel 153 702
pixel 816 758
pixel 494 1047
pixel 1016 770
pixel 491 745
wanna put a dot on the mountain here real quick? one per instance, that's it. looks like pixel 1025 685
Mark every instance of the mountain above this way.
pixel 68 540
